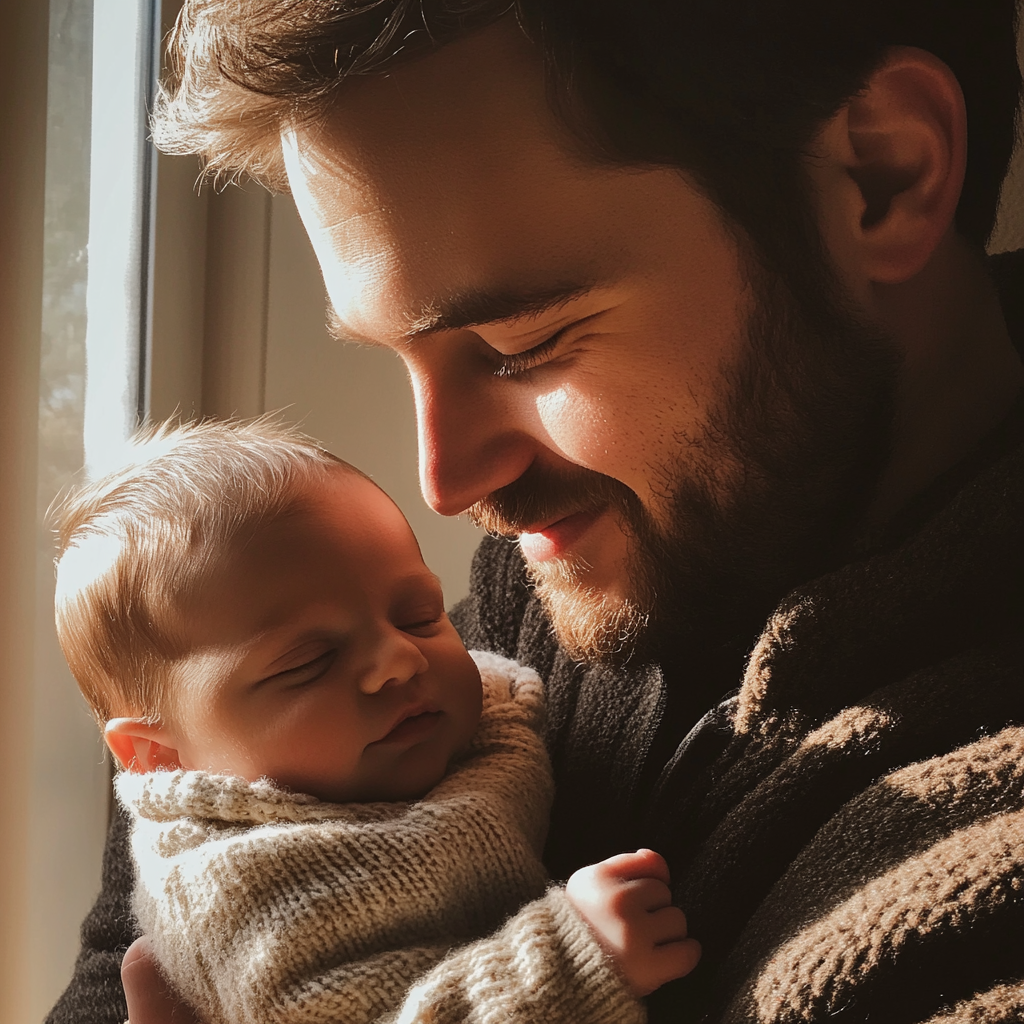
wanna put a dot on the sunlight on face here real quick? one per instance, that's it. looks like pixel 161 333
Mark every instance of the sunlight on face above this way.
pixel 568 315
pixel 322 657
pixel 603 366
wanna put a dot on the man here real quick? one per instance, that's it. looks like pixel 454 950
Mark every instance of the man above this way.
pixel 693 304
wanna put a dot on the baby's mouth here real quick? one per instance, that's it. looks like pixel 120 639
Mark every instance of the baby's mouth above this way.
pixel 417 725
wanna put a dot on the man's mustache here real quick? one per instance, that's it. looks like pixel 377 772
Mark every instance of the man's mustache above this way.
pixel 543 495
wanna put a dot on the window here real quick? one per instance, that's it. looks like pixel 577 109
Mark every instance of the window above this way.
pixel 92 359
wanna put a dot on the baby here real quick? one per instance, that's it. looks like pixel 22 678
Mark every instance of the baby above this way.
pixel 332 800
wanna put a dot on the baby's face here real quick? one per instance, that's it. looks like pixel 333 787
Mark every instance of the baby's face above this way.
pixel 323 659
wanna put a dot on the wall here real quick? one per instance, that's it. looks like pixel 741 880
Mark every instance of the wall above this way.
pixel 23 47
pixel 1009 230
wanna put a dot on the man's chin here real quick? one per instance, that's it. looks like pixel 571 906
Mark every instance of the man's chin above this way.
pixel 591 624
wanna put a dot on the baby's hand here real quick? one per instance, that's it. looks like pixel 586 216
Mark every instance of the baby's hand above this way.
pixel 627 903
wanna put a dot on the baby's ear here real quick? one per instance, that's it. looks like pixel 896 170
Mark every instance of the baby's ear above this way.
pixel 141 746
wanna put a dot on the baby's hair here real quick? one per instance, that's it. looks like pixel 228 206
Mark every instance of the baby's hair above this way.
pixel 136 545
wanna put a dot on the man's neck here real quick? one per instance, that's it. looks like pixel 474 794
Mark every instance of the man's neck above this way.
pixel 961 373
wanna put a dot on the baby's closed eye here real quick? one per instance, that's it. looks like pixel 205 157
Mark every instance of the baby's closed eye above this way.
pixel 307 671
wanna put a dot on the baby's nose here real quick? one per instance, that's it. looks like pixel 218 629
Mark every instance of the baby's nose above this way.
pixel 395 660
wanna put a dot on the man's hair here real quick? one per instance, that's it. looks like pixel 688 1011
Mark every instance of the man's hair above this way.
pixel 136 545
pixel 731 90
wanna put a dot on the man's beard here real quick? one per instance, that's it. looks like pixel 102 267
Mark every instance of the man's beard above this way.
pixel 768 495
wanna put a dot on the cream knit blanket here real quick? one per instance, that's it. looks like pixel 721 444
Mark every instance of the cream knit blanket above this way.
pixel 267 906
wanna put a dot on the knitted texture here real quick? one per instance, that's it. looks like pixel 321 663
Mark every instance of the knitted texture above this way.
pixel 970 876
pixel 543 966
pixel 268 906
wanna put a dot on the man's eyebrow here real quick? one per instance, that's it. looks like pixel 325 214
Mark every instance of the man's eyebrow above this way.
pixel 472 309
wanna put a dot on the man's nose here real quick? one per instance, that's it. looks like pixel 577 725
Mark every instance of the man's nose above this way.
pixel 471 442
pixel 393 660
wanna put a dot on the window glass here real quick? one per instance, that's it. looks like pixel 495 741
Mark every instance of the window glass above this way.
pixel 94 327
pixel 62 380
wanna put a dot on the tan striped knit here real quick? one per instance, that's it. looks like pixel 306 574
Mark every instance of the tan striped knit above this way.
pixel 266 906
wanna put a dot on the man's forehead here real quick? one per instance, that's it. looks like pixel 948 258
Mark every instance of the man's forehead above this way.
pixel 451 143
pixel 399 261
pixel 485 91
pixel 447 193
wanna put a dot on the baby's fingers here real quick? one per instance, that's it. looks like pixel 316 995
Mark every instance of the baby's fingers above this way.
pixel 676 959
pixel 665 963
pixel 641 864
pixel 666 925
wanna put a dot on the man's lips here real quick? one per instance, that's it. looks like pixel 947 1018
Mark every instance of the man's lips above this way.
pixel 556 538
pixel 415 724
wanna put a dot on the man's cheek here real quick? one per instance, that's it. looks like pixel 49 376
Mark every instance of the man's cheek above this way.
pixel 587 429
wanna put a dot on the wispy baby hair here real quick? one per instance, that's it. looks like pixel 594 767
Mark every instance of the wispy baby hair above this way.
pixel 136 545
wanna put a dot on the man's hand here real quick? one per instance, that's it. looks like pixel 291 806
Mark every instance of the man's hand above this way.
pixel 150 1000
pixel 628 905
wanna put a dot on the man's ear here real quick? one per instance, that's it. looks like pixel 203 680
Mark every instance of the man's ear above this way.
pixel 889 167
pixel 141 746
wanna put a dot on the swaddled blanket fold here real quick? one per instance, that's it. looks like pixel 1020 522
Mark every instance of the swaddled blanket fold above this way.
pixel 269 906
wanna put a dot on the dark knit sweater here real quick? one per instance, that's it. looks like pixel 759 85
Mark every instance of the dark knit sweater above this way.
pixel 845 833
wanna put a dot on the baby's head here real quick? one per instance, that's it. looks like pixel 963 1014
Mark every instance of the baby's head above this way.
pixel 240 601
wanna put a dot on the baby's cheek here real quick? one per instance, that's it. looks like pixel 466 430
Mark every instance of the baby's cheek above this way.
pixel 467 698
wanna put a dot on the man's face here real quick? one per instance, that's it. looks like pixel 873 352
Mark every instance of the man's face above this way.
pixel 578 335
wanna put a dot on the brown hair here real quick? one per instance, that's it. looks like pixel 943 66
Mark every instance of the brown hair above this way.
pixel 134 546
pixel 241 71
pixel 732 90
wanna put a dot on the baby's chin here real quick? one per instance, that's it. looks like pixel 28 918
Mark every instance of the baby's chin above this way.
pixel 390 788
